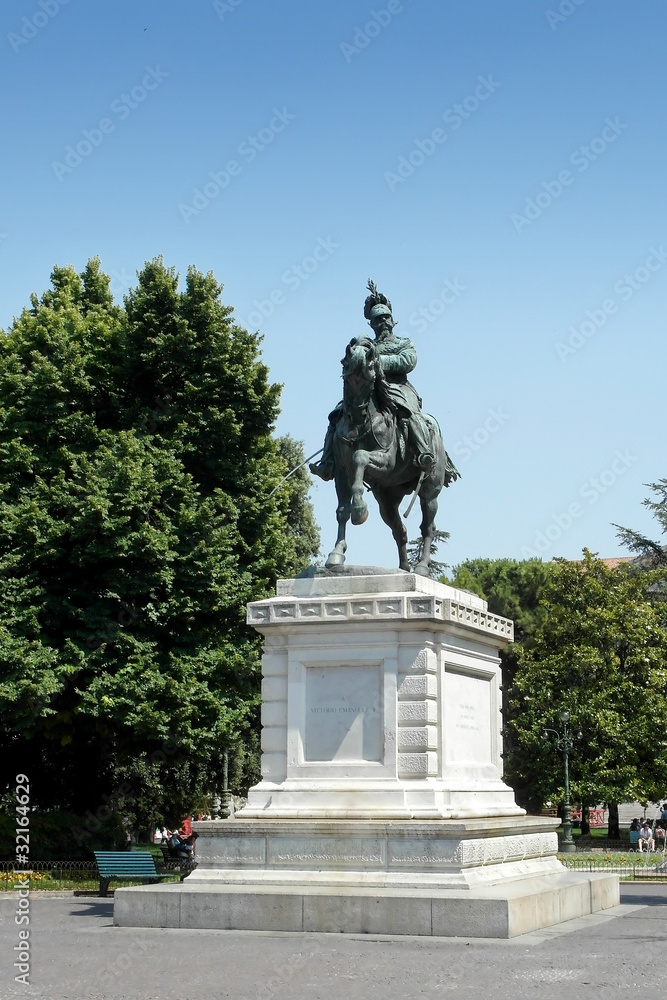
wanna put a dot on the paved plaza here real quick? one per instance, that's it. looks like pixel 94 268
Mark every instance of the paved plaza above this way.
pixel 78 954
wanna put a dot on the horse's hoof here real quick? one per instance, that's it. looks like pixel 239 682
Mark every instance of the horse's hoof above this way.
pixel 359 514
pixel 422 569
pixel 335 560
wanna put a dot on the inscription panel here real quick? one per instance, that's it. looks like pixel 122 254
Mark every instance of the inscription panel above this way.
pixel 467 719
pixel 329 851
pixel 344 717
pixel 414 852
pixel 232 851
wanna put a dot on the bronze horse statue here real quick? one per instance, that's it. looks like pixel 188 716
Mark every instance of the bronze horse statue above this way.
pixel 372 447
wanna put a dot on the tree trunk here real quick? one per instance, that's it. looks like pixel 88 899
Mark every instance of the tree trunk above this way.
pixel 585 819
pixel 614 830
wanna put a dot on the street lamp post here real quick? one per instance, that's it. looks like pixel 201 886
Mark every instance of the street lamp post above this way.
pixel 564 742
pixel 224 798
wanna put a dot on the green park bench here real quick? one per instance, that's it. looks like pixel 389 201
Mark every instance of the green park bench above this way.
pixel 178 864
pixel 127 866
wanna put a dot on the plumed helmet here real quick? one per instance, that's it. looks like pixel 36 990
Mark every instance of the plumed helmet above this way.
pixel 376 303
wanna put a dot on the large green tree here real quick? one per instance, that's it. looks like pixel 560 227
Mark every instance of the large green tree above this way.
pixel 600 652
pixel 137 518
pixel 512 587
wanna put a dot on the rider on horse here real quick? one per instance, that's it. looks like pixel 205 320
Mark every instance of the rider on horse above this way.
pixel 396 356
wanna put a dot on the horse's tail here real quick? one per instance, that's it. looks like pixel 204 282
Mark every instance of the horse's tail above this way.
pixel 450 470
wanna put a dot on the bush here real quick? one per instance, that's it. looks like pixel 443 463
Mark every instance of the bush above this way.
pixel 60 836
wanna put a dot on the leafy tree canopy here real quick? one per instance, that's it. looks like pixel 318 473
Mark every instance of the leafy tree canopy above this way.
pixel 600 652
pixel 137 464
pixel 512 588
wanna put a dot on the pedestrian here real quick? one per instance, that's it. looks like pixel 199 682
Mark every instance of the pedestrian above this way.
pixel 646 837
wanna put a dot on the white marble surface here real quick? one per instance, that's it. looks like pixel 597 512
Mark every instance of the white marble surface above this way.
pixel 381 698
pixel 384 582
pixel 343 713
pixel 356 853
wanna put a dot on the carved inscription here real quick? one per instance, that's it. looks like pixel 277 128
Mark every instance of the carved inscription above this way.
pixel 467 719
pixel 344 717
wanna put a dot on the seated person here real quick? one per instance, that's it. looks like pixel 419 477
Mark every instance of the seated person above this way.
pixel 646 837
pixel 178 846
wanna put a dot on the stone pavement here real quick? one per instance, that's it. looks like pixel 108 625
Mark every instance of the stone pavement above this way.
pixel 78 954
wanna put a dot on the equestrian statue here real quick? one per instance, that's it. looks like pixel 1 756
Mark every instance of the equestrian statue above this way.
pixel 379 437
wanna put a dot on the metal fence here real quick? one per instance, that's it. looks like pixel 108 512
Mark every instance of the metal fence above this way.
pixel 56 875
pixel 49 875
pixel 628 869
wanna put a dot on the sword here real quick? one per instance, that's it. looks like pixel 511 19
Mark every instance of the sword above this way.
pixel 285 478
pixel 415 494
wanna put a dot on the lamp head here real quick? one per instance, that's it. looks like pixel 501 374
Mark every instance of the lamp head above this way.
pixel 564 716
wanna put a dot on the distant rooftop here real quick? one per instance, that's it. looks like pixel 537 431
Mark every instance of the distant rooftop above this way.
pixel 617 561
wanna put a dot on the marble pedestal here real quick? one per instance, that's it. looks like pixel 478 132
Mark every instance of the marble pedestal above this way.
pixel 381 806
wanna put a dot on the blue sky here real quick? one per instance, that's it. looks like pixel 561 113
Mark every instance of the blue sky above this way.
pixel 524 248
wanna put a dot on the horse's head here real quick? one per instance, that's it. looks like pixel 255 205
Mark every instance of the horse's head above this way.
pixel 360 365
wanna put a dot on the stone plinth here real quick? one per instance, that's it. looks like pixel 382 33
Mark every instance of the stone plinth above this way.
pixel 458 854
pixel 380 700
pixel 381 807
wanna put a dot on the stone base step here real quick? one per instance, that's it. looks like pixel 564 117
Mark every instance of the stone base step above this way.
pixel 501 911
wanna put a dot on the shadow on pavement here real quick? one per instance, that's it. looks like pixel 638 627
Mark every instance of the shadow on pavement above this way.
pixel 99 908
pixel 641 899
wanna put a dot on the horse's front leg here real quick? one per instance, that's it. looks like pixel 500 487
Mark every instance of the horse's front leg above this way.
pixel 336 557
pixel 358 508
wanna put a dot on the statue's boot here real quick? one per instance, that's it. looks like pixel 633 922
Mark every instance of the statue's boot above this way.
pixel 325 467
pixel 325 470
pixel 421 445
pixel 426 461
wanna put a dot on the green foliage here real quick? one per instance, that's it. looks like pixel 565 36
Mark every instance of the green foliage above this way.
pixel 60 836
pixel 303 532
pixel 512 589
pixel 599 651
pixel 136 467
pixel 416 548
pixel 652 554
